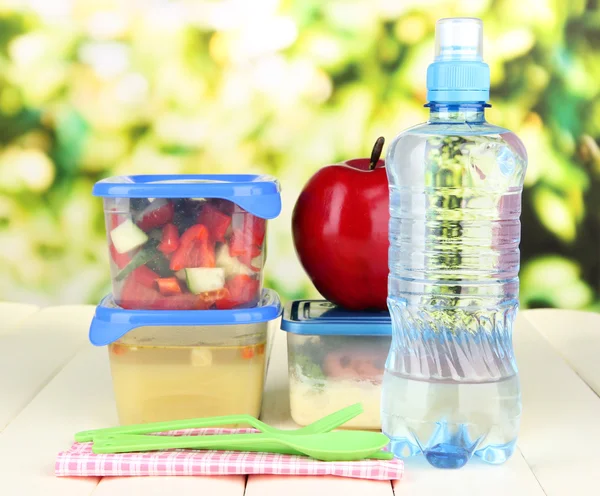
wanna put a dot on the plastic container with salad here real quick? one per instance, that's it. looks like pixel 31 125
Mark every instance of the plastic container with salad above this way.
pixel 335 358
pixel 188 242
pixel 172 365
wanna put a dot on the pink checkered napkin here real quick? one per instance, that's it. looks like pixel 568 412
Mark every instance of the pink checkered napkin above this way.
pixel 80 461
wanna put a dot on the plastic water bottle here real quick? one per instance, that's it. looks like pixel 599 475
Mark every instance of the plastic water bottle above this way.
pixel 451 387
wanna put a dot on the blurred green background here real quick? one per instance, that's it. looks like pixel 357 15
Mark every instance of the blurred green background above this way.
pixel 92 89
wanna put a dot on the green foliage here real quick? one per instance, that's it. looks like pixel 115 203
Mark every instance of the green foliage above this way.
pixel 102 88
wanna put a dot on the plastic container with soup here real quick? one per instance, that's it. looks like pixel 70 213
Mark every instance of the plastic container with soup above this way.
pixel 184 367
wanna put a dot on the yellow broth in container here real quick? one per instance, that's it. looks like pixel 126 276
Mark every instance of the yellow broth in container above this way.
pixel 209 363
pixel 154 383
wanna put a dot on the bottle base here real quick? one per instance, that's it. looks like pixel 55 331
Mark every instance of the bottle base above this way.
pixel 451 453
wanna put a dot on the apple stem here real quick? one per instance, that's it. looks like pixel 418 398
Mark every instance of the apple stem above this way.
pixel 376 153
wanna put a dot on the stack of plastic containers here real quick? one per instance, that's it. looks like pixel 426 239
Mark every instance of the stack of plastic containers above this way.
pixel 187 322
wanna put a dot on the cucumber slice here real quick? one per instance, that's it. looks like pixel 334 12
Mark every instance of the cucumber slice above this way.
pixel 203 279
pixel 231 265
pixel 127 236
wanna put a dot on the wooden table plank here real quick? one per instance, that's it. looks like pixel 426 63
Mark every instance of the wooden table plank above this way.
pixel 266 485
pixel 79 397
pixel 514 478
pixel 30 357
pixel 560 431
pixel 12 314
pixel 575 336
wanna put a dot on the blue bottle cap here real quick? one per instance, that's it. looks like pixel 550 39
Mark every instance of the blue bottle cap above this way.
pixel 112 322
pixel 257 194
pixel 322 318
pixel 458 73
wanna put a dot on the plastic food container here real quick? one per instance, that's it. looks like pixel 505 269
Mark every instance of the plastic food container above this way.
pixel 335 358
pixel 172 365
pixel 188 242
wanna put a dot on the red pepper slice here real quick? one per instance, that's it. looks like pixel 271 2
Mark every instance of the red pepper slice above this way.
pixel 196 232
pixel 168 286
pixel 194 250
pixel 170 239
pixel 194 254
pixel 156 216
pixel 216 222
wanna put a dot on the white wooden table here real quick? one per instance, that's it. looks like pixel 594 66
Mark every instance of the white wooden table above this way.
pixel 53 383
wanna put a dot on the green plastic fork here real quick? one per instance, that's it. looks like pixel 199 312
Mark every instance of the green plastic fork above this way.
pixel 328 446
pixel 326 424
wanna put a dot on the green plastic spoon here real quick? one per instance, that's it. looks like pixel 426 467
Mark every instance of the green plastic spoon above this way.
pixel 330 446
pixel 325 424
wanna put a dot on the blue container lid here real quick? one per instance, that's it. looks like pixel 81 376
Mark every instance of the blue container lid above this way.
pixel 322 318
pixel 112 322
pixel 258 194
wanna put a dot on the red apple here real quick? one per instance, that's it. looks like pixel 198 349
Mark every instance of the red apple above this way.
pixel 340 228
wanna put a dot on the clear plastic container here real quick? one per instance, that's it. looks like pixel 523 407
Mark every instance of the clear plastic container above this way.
pixel 182 364
pixel 335 358
pixel 188 242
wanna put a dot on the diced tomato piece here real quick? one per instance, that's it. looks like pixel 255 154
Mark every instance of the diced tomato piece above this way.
pixel 170 239
pixel 194 250
pixel 145 277
pixel 156 215
pixel 215 221
pixel 243 289
pixel 120 259
pixel 168 286
pixel 135 295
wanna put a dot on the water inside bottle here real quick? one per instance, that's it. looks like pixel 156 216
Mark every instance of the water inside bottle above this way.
pixel 451 388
